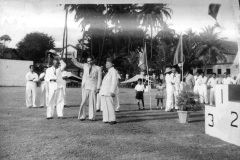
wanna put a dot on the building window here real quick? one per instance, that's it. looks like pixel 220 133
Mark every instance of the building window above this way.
pixel 209 71
pixel 228 71
pixel 219 71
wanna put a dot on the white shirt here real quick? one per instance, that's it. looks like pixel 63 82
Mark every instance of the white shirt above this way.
pixel 227 80
pixel 32 77
pixel 204 80
pixel 198 80
pixel 212 82
pixel 139 87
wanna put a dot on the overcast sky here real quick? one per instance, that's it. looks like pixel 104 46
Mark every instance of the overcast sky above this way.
pixel 17 18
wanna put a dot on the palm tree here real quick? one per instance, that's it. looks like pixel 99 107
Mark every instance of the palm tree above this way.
pixel 191 42
pixel 211 47
pixel 151 14
pixel 90 14
pixel 165 43
pixel 5 38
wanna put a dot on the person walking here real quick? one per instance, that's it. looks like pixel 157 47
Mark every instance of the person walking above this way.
pixel 108 93
pixel 91 81
pixel 31 86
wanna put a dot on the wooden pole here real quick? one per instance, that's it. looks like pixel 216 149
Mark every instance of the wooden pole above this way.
pixel 148 77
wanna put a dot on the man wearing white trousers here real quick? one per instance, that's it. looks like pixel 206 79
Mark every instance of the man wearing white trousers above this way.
pixel 108 92
pixel 56 93
pixel 44 89
pixel 203 89
pixel 64 77
pixel 91 81
pixel 31 86
pixel 169 90
pixel 198 81
pixel 212 83
pixel 176 85
pixel 116 99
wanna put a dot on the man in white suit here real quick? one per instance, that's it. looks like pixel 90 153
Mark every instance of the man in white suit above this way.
pixel 91 81
pixel 31 86
pixel 189 81
pixel 176 85
pixel 44 89
pixel 212 83
pixel 56 93
pixel 108 92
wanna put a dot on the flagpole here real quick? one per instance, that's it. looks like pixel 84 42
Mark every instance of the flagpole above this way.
pixel 148 77
pixel 182 55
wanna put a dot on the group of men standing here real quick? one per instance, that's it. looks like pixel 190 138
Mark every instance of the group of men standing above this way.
pixel 198 84
pixel 53 88
pixel 96 90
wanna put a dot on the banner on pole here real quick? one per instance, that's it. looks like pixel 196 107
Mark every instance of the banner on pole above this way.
pixel 142 58
pixel 179 57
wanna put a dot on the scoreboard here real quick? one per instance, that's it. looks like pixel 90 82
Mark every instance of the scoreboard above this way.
pixel 223 119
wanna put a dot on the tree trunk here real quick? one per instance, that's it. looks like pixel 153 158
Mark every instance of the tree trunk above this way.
pixel 100 56
pixel 151 37
pixel 207 61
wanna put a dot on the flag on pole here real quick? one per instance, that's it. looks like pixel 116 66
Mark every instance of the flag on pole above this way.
pixel 179 57
pixel 213 10
pixel 142 58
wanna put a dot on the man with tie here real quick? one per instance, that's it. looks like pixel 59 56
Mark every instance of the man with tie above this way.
pixel 91 81
pixel 212 83
pixel 56 94
pixel 108 93
pixel 31 86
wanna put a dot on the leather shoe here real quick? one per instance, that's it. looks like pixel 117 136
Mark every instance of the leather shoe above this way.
pixel 49 118
pixel 113 122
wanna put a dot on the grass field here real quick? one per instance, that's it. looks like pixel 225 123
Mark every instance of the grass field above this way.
pixel 149 134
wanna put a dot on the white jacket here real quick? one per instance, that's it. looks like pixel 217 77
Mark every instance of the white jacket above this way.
pixel 109 83
pixel 31 78
pixel 55 74
pixel 93 80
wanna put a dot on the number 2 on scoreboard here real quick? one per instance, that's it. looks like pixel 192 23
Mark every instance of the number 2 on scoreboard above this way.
pixel 233 125
pixel 211 125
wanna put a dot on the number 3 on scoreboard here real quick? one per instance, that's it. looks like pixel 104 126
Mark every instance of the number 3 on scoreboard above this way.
pixel 233 125
pixel 211 125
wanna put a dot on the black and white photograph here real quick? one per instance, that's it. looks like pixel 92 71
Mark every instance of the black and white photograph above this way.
pixel 119 80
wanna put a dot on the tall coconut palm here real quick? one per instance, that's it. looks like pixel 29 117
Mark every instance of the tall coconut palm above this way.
pixel 165 45
pixel 90 14
pixel 151 14
pixel 191 43
pixel 211 47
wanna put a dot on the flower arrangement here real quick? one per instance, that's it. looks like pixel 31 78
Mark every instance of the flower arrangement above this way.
pixel 189 101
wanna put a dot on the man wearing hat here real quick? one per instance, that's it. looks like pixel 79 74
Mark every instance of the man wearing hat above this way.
pixel 56 95
pixel 91 81
pixel 108 93
pixel 169 89
pixel 44 88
